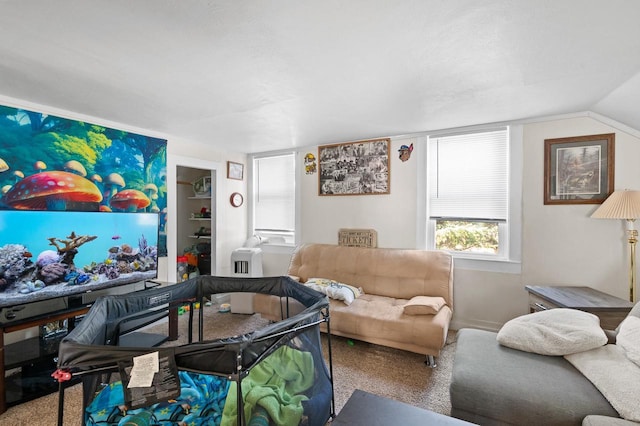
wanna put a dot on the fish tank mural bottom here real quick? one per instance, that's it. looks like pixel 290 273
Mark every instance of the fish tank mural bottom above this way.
pixel 51 254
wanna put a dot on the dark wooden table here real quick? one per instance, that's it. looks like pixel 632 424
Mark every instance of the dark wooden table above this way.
pixel 610 309
pixel 31 350
pixel 365 408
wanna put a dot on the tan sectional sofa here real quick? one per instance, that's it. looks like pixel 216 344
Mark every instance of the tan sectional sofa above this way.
pixel 390 279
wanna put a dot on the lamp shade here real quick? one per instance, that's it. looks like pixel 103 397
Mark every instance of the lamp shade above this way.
pixel 620 205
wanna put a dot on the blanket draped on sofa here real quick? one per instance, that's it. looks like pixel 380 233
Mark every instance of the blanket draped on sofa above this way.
pixel 615 376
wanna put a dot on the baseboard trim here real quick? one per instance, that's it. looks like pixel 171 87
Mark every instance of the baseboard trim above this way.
pixel 458 323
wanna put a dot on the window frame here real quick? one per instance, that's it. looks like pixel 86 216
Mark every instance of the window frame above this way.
pixel 509 258
pixel 251 190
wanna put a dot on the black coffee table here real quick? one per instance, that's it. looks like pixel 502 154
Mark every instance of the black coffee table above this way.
pixel 365 408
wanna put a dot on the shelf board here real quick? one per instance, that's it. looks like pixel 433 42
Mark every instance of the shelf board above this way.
pixel 208 197
pixel 200 218
pixel 204 237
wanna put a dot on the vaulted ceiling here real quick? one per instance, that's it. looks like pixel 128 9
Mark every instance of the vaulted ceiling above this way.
pixel 256 75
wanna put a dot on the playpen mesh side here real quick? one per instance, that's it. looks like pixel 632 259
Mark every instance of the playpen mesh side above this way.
pixel 279 370
pixel 290 386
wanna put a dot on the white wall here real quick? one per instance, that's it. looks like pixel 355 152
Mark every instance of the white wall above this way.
pixel 561 245
pixel 391 215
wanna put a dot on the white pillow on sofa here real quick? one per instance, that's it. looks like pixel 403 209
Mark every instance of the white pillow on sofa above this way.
pixel 553 332
pixel 628 338
pixel 334 289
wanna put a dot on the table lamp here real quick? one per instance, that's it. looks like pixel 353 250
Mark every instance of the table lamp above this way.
pixel 624 205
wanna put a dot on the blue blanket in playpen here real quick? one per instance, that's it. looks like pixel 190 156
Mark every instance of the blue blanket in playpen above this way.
pixel 201 402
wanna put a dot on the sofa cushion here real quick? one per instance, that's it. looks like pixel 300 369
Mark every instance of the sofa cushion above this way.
pixel 629 338
pixel 424 305
pixel 554 332
pixel 380 318
pixel 492 384
pixel 334 289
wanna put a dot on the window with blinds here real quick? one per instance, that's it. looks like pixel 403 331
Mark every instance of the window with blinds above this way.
pixel 274 197
pixel 468 195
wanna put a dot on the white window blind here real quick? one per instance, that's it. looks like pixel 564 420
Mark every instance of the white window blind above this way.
pixel 274 193
pixel 468 176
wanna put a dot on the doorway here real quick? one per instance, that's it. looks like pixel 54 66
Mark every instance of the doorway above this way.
pixel 196 219
pixel 198 233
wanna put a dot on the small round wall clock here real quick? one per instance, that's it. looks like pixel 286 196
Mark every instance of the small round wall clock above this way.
pixel 236 199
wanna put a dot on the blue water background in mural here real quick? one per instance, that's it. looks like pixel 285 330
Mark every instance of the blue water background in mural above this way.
pixel 46 254
pixel 33 229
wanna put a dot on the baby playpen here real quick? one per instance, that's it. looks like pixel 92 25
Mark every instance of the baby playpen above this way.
pixel 275 375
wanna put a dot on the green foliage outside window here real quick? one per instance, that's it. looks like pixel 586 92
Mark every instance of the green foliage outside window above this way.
pixel 472 237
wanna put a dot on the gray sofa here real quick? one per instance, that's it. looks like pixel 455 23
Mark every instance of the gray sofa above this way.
pixel 495 385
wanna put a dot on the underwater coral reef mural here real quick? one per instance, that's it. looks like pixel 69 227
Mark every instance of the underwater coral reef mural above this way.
pixel 54 163
pixel 45 254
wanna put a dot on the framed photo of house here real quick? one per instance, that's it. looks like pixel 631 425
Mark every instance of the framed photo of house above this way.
pixel 579 170
pixel 235 170
pixel 354 168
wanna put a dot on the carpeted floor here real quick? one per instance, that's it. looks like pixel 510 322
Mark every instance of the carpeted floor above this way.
pixel 392 373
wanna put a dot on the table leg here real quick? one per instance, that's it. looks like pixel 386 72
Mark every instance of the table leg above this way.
pixel 173 323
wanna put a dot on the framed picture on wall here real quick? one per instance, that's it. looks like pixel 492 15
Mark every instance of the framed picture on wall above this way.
pixel 579 170
pixel 354 168
pixel 235 170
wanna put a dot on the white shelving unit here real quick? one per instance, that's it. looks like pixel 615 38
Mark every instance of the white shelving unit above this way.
pixel 194 231
pixel 201 222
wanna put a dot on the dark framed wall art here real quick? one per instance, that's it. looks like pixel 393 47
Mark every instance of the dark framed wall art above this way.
pixel 579 170
pixel 354 168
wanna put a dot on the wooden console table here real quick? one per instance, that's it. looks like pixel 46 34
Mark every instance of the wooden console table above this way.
pixel 610 309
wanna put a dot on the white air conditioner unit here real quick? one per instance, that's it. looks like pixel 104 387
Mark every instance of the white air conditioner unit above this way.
pixel 247 263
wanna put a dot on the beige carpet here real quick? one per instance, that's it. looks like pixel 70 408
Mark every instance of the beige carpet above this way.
pixel 383 371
